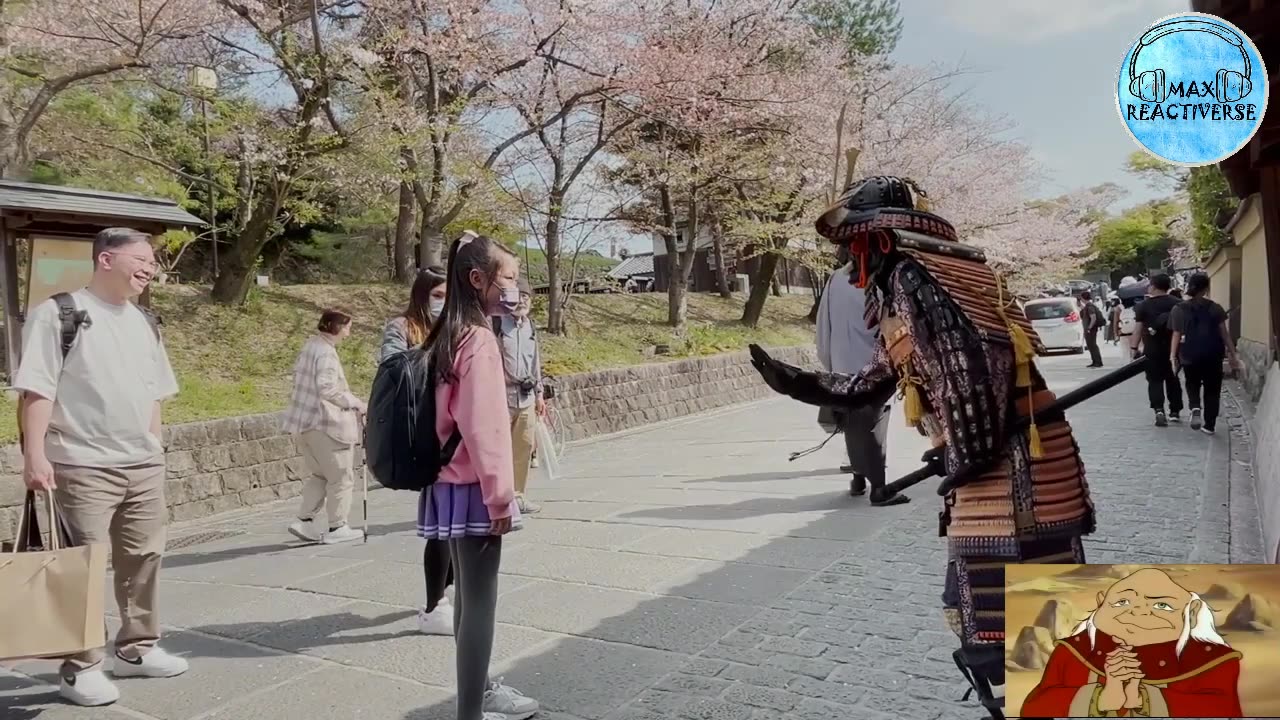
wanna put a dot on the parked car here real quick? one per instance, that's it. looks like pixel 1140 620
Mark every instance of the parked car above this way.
pixel 1057 322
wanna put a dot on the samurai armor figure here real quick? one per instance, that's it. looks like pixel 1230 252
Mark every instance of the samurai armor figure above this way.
pixel 960 353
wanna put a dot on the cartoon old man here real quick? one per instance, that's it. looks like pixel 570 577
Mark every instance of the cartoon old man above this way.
pixel 1150 649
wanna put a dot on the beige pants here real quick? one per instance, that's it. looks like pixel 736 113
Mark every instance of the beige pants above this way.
pixel 522 445
pixel 330 477
pixel 124 507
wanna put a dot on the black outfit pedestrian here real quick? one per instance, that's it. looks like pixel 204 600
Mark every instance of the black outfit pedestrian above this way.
pixel 1091 316
pixel 1201 350
pixel 1157 336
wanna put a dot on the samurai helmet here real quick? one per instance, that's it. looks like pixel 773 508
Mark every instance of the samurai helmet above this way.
pixel 870 210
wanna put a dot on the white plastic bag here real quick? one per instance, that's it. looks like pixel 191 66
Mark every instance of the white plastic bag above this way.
pixel 548 463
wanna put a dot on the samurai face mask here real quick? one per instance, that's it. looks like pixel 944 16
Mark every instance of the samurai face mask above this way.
pixel 867 214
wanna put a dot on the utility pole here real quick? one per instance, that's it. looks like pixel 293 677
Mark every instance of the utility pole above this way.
pixel 205 81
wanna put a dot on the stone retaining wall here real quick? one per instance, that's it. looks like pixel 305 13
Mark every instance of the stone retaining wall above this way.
pixel 222 465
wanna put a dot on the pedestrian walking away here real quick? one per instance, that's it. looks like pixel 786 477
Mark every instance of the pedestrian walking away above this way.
pixel 472 504
pixel 93 374
pixel 408 330
pixel 1200 342
pixel 1092 320
pixel 1152 338
pixel 846 345
pixel 324 416
pixel 522 369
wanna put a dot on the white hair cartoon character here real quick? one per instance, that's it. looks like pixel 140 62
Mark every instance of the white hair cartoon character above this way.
pixel 1150 649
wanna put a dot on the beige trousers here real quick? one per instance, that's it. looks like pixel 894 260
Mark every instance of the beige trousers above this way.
pixel 522 421
pixel 124 507
pixel 330 480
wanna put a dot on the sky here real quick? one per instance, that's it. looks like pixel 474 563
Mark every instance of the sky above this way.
pixel 1050 66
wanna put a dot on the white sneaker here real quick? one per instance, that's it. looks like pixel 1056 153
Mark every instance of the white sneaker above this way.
pixel 437 622
pixel 493 716
pixel 155 664
pixel 88 688
pixel 305 530
pixel 509 702
pixel 346 533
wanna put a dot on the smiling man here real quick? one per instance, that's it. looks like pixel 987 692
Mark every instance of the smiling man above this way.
pixel 92 377
pixel 1150 649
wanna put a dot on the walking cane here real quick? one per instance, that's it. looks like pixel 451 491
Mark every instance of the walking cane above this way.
pixel 364 478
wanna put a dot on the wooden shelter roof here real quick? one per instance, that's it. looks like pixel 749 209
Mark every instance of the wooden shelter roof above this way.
pixel 21 198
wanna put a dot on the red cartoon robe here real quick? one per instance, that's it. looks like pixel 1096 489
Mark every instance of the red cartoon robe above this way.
pixel 1199 684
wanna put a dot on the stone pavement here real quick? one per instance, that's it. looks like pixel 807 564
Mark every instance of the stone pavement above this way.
pixel 684 571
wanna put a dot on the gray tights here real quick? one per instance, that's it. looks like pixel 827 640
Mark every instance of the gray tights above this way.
pixel 475 569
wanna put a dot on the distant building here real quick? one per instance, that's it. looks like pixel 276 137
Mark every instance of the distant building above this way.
pixel 793 277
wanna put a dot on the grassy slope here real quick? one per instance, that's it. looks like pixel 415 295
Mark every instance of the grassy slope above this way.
pixel 235 361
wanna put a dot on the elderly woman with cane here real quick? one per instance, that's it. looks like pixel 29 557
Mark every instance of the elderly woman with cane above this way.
pixel 324 417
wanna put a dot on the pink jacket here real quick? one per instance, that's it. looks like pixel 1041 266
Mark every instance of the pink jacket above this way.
pixel 476 404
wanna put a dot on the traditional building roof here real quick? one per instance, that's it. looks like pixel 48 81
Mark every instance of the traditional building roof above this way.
pixel 34 198
pixel 641 264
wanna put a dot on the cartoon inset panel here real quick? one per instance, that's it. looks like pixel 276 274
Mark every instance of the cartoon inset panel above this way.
pixel 1149 641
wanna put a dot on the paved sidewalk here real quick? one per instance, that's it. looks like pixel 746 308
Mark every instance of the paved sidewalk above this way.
pixel 685 571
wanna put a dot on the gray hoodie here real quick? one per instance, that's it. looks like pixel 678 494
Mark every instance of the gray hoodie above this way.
pixel 845 345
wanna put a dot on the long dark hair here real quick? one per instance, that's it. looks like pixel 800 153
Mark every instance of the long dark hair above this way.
pixel 418 315
pixel 464 305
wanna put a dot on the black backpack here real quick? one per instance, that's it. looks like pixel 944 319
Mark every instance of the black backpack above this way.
pixel 71 319
pixel 1201 337
pixel 401 447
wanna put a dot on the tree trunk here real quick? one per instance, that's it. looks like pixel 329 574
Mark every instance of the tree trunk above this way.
pixel 760 286
pixel 430 244
pixel 677 294
pixel 236 269
pixel 775 286
pixel 722 273
pixel 555 292
pixel 402 256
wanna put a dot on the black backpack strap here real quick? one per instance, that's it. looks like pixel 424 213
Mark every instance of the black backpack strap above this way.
pixel 69 319
pixel 450 447
pixel 152 319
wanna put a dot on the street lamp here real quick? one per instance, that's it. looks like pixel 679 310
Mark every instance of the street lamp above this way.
pixel 204 81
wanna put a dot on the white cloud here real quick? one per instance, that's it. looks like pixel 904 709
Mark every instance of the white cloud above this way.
pixel 1028 21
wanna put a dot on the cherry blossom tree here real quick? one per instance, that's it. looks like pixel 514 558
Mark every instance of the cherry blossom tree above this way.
pixel 49 46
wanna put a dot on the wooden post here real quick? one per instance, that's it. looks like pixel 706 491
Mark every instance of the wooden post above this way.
pixel 9 294
pixel 1270 197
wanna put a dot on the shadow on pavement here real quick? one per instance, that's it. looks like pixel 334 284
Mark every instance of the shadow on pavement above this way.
pixel 683 653
pixel 762 477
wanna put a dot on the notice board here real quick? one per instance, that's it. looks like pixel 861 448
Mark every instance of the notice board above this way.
pixel 58 264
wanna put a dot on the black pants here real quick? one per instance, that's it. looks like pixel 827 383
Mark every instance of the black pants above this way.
pixel 1091 342
pixel 865 434
pixel 1162 382
pixel 438 570
pixel 1209 377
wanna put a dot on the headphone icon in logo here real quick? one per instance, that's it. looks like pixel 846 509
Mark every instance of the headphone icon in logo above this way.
pixel 1228 86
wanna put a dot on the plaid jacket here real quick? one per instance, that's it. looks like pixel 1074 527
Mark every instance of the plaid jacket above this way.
pixel 321 399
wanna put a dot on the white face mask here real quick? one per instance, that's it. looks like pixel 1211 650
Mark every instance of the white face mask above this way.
pixel 435 306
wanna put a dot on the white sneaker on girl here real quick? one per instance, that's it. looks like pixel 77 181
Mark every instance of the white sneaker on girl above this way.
pixel 437 622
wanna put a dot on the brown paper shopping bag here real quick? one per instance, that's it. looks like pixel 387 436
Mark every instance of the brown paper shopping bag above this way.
pixel 51 600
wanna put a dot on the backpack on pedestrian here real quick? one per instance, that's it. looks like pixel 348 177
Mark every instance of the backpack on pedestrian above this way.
pixel 401 447
pixel 70 320
pixel 1201 336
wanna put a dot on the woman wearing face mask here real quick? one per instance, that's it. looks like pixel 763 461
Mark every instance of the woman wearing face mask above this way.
pixel 410 328
pixel 406 330
pixel 472 503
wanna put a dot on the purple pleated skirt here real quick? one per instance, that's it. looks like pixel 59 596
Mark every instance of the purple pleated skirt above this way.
pixel 448 511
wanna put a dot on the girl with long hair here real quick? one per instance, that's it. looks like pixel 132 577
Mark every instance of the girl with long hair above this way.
pixel 407 330
pixel 472 503
pixel 410 328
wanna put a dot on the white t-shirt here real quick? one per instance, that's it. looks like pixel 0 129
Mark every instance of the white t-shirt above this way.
pixel 105 393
